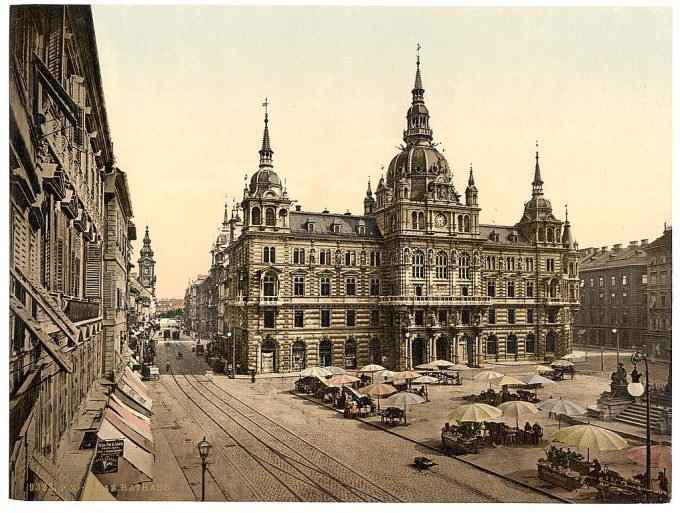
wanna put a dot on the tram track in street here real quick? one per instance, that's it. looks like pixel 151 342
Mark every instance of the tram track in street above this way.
pixel 280 455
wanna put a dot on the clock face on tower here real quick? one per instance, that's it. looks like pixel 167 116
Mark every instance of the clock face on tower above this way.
pixel 440 220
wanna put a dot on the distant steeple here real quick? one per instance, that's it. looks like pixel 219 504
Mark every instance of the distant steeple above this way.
pixel 369 201
pixel 418 118
pixel 471 191
pixel 537 183
pixel 567 239
pixel 369 193
pixel 146 250
pixel 266 152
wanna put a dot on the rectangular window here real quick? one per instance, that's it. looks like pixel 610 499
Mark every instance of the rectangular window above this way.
pixel 624 298
pixel 351 287
pixel 299 319
pixel 664 277
pixel 443 317
pixel 511 289
pixel 663 301
pixel 491 289
pixel 420 318
pixel 351 317
pixel 601 281
pixel 613 281
pixel 325 286
pixel 375 318
pixel 269 318
pixel 530 316
pixel 375 287
pixel 299 286
pixel 550 264
pixel 419 290
pixel 592 282
pixel 325 318
pixel 613 297
pixel 644 279
pixel 530 289
pixel 492 316
pixel 511 316
pixel 552 316
pixel 465 317
pixel 624 280
pixel 375 258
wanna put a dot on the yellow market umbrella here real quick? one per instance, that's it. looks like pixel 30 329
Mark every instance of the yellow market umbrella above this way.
pixel 317 372
pixel 488 375
pixel 517 409
pixel 543 368
pixel 475 412
pixel 591 437
pixel 507 380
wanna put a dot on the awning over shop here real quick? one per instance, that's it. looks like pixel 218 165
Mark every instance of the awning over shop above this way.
pixel 131 401
pixel 140 424
pixel 120 404
pixel 135 466
pixel 34 327
pixel 121 425
pixel 137 385
pixel 93 490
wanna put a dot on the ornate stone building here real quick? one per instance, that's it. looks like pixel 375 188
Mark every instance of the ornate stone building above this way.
pixel 416 277
pixel 659 334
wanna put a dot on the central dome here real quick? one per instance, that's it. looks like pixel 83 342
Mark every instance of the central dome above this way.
pixel 263 180
pixel 417 160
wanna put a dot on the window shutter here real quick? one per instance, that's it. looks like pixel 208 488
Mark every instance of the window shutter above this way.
pixel 21 245
pixel 60 265
pixel 93 268
pixel 55 41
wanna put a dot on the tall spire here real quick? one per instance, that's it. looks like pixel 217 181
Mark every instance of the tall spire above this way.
pixel 369 192
pixel 567 239
pixel 471 191
pixel 418 118
pixel 266 151
pixel 537 183
pixel 471 180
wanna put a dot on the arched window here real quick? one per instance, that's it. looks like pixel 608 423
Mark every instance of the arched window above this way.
pixel 325 257
pixel 418 264
pixel 375 258
pixel 491 345
pixel 269 255
pixel 421 221
pixel 442 268
pixel 550 342
pixel 256 218
pixel 299 256
pixel 414 220
pixel 460 223
pixel 350 258
pixel 553 288
pixel 466 224
pixel 549 235
pixel 270 219
pixel 464 266
pixel 269 285
pixel 541 234
pixel 511 347
pixel 530 343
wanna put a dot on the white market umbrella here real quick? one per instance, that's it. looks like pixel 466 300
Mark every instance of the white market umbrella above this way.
pixel 562 407
pixel 475 412
pixel 537 379
pixel 373 367
pixel 517 409
pixel 442 363
pixel 404 399
pixel 316 372
pixel 334 370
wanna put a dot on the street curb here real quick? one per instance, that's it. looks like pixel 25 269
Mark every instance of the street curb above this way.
pixel 478 467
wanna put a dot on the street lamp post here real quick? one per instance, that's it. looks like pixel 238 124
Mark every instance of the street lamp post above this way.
pixel 636 389
pixel 233 353
pixel 616 332
pixel 601 358
pixel 203 450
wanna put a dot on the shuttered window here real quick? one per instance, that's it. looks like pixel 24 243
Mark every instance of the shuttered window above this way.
pixel 20 245
pixel 60 265
pixel 55 41
pixel 93 268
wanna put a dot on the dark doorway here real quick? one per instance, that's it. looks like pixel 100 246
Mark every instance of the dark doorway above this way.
pixel 443 349
pixel 419 352
pixel 299 356
pixel 268 354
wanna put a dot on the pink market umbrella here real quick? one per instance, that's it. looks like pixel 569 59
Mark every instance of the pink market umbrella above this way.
pixel 343 379
pixel 660 455
pixel 378 389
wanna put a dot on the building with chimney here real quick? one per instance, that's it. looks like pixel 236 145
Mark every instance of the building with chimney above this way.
pixel 416 277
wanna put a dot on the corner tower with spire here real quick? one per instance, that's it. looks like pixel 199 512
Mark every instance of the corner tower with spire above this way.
pixel 266 204
pixel 146 263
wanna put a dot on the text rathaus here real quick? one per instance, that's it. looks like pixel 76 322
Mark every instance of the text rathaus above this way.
pixel 417 277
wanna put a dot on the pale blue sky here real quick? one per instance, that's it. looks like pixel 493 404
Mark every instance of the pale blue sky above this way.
pixel 184 87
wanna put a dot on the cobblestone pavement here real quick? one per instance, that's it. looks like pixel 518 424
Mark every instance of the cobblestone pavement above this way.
pixel 270 445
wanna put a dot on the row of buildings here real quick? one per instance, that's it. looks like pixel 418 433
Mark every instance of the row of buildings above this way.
pixel 73 300
pixel 418 276
pixel 627 296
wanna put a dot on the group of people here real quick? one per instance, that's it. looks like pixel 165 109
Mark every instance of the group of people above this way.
pixel 536 431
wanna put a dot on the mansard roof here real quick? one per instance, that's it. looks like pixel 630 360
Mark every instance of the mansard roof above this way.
pixel 617 257
pixel 505 234
pixel 323 224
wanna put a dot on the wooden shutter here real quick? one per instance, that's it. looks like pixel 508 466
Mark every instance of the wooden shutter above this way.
pixel 20 244
pixel 78 95
pixel 59 285
pixel 93 269
pixel 55 41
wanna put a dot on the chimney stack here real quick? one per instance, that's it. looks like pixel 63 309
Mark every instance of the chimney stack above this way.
pixel 633 244
pixel 644 242
pixel 298 208
pixel 616 247
pixel 604 249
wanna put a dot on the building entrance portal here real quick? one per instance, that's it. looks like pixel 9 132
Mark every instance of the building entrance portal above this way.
pixel 419 354
pixel 443 349
pixel 299 355
pixel 268 356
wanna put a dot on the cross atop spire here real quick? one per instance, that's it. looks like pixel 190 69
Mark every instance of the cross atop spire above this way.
pixel 537 183
pixel 266 151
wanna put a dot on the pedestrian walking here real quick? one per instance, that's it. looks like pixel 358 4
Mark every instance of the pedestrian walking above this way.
pixel 252 375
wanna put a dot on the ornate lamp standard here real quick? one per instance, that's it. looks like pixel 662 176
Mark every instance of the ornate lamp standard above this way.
pixel 636 389
pixel 616 332
pixel 203 450
pixel 233 353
